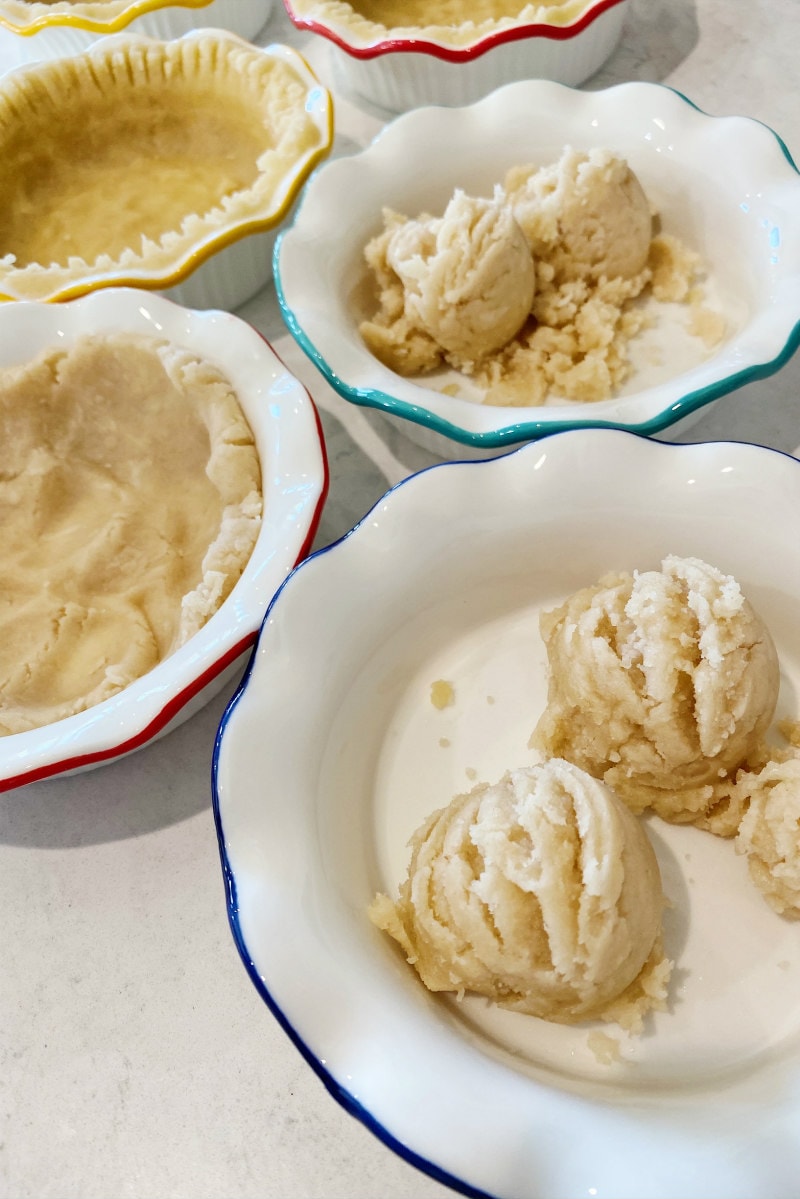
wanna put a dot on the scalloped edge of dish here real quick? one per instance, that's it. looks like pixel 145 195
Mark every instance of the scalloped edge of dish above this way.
pixel 135 11
pixel 319 105
pixel 361 48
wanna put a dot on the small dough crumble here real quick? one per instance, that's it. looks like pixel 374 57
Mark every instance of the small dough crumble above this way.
pixel 541 892
pixel 530 294
pixel 606 1049
pixel 130 494
pixel 442 694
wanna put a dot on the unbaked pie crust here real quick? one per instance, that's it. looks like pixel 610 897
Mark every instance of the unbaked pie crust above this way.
pixel 130 500
pixel 130 163
pixel 451 22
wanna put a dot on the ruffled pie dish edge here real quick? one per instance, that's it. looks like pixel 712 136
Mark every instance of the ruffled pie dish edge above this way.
pixel 398 70
pixel 204 240
pixel 153 18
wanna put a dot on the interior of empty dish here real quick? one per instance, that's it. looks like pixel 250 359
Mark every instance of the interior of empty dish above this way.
pixel 193 139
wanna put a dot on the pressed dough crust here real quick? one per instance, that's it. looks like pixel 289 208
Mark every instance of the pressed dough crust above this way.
pixel 128 159
pixel 452 22
pixel 130 501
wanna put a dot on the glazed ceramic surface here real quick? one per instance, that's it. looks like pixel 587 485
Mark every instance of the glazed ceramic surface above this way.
pixel 332 754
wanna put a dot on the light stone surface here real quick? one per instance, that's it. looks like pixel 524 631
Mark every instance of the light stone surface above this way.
pixel 136 1058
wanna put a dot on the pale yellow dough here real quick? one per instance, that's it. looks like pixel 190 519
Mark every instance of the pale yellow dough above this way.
pixel 130 499
pixel 450 22
pixel 769 833
pixel 663 684
pixel 466 284
pixel 541 892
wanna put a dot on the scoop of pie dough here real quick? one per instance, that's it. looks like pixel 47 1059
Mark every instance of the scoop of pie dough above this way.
pixel 662 683
pixel 462 284
pixel 541 892
pixel 769 832
pixel 586 214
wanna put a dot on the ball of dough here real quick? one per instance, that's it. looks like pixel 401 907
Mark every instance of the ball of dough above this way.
pixel 541 892
pixel 586 213
pixel 468 276
pixel 769 833
pixel 661 683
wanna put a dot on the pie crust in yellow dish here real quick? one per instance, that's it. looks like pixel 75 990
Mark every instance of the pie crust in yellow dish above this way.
pixel 451 22
pixel 104 16
pixel 134 161
pixel 130 499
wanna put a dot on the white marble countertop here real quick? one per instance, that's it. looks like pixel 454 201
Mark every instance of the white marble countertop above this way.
pixel 136 1058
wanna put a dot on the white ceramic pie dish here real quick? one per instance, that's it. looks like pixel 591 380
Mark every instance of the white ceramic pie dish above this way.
pixel 216 257
pixel 152 18
pixel 332 752
pixel 725 185
pixel 401 68
pixel 294 484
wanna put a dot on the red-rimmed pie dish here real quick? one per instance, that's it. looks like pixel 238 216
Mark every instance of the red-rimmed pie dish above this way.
pixel 168 472
pixel 399 55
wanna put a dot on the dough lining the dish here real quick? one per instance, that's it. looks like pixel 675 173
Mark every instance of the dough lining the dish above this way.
pixel 451 22
pixel 130 498
pixel 132 158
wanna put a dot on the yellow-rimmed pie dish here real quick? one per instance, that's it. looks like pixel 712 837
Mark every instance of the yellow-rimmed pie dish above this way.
pixel 156 18
pixel 137 160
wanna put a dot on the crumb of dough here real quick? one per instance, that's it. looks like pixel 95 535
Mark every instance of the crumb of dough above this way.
pixel 673 269
pixel 541 892
pixel 769 832
pixel 442 694
pixel 454 290
pixel 606 1049
pixel 790 729
pixel 444 742
pixel 131 495
pixel 663 684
